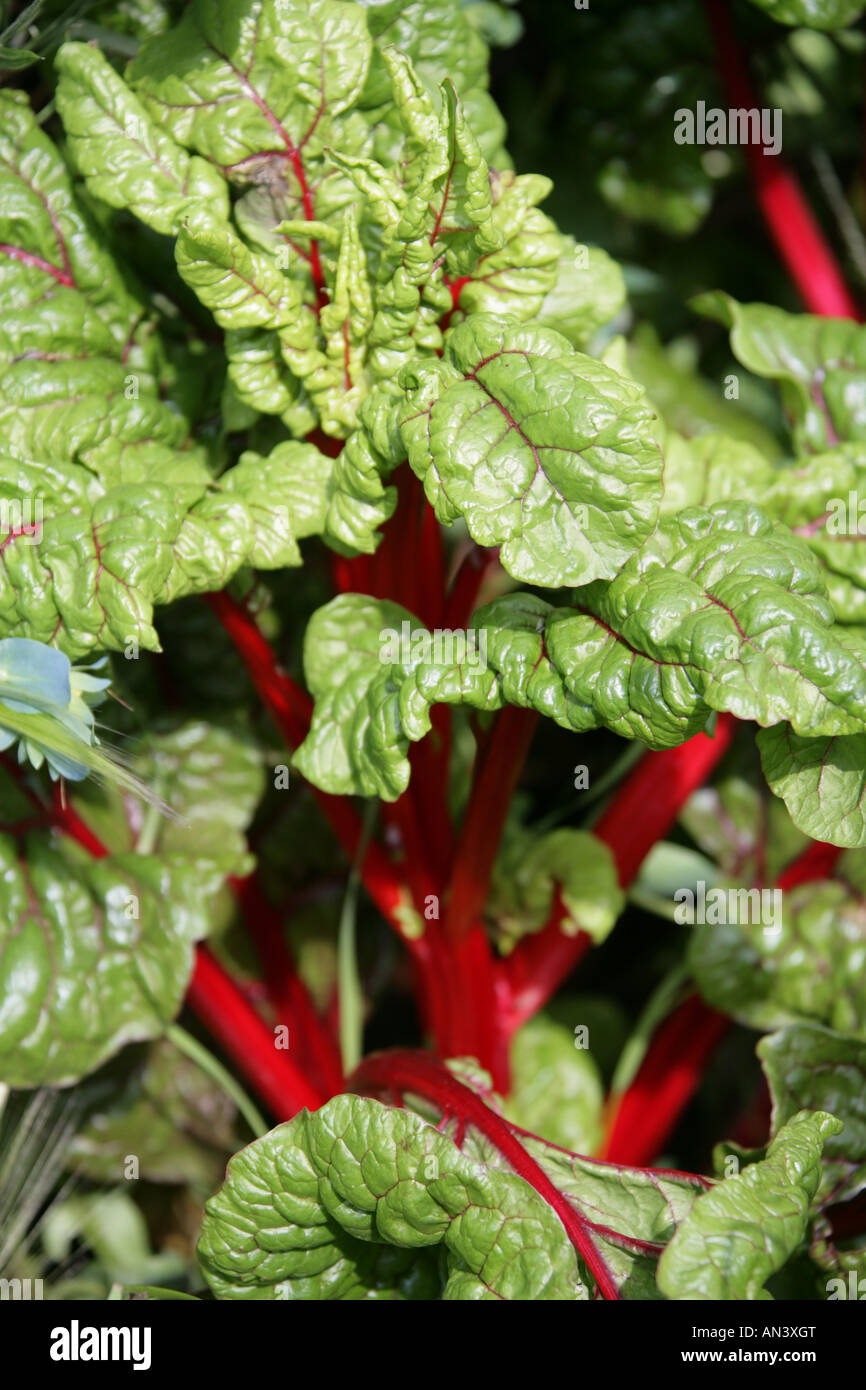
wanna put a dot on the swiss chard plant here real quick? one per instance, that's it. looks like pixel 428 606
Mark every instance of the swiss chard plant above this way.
pixel 446 699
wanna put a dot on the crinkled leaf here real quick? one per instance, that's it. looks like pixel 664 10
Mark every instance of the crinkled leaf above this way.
pixel 812 1068
pixel 108 551
pixel 635 1211
pixel 518 277
pixel 129 515
pixel 344 1203
pixel 720 609
pixel 747 1227
pixel 819 363
pixel 369 708
pixel 809 970
pixel 126 160
pixel 241 83
pixel 243 288
pixel 547 453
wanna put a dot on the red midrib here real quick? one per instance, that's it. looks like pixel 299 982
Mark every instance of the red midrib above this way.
pixel 28 258
pixel 413 1072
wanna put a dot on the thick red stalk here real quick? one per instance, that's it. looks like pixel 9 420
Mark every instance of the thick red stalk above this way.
pixel 308 1033
pixel 790 221
pixel 483 1010
pixel 672 1069
pixel 289 707
pixel 429 786
pixel 666 1081
pixel 224 1011
pixel 497 772
pixel 420 1074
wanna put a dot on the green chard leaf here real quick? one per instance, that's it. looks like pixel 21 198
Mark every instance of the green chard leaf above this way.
pixel 547 453
pixel 315 1209
pixel 352 1201
pixel 635 1211
pixel 530 868
pixel 93 955
pixel 518 277
pixel 721 609
pixel 747 1227
pixel 822 782
pixel 819 363
pixel 804 965
pixel 243 288
pixel 812 1068
pixel 126 159
pixel 813 14
pixel 96 953
pixel 249 83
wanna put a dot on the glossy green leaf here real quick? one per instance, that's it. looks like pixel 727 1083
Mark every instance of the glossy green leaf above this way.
pixel 819 363
pixel 546 453
pixel 93 955
pixel 822 782
pixel 812 1068
pixel 125 158
pixel 816 14
pixel 806 967
pixel 344 1203
pixel 746 1228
